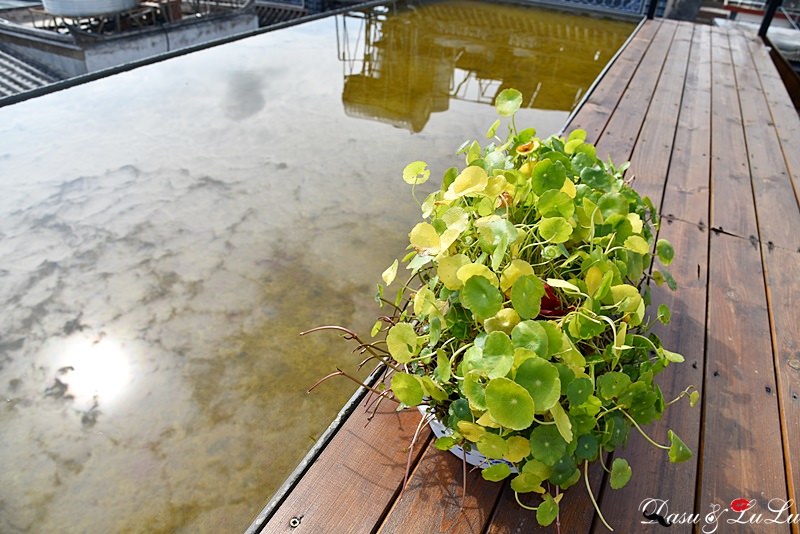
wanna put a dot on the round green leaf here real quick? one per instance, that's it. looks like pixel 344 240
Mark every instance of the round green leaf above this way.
pixel 526 296
pixel 492 129
pixel 473 389
pixel 542 381
pixel 493 360
pixel 565 472
pixel 533 336
pixel 640 398
pixel 407 388
pixel 547 512
pixel 432 389
pixel 555 229
pixel 445 443
pixel 579 390
pixel 620 473
pixel 548 175
pixel 481 297
pixel 678 451
pixel 664 313
pixel 492 446
pixel 402 342
pixel 416 173
pixel 498 353
pixel 547 445
pixel 508 102
pixel 554 203
pixel 613 204
pixel 563 422
pixel 509 404
pixel 665 251
pixel 611 384
pixel 587 447
pixel 596 178
pixel 527 482
pixel 448 269
pixel 496 472
pixel 578 133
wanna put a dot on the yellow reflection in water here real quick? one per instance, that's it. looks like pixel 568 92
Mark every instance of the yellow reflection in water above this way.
pixel 400 69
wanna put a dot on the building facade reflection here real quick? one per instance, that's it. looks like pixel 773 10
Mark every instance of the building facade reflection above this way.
pixel 400 69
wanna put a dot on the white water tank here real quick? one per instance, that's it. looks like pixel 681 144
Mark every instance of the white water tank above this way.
pixel 87 8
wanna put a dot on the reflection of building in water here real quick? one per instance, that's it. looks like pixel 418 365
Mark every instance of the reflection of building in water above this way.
pixel 401 68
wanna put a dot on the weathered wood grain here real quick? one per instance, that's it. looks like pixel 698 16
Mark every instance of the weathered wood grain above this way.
pixel 433 500
pixel 357 476
pixel 623 127
pixel 603 100
pixel 732 211
pixel 742 453
pixel 778 217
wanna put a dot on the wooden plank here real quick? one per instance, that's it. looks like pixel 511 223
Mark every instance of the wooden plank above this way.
pixel 783 270
pixel 433 500
pixel 732 202
pixel 778 217
pixel 601 103
pixel 777 210
pixel 623 128
pixel 654 146
pixel 741 442
pixel 742 453
pixel 686 201
pixel 361 470
pixel 784 116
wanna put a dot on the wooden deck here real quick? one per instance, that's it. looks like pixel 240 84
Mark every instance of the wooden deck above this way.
pixel 706 122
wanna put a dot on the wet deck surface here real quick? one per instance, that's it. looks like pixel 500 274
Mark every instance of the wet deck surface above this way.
pixel 705 120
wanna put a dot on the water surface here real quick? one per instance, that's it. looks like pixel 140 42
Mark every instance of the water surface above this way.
pixel 166 232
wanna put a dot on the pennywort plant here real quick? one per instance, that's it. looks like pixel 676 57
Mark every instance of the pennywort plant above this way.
pixel 522 324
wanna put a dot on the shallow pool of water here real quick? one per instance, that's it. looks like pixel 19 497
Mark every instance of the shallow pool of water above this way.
pixel 165 234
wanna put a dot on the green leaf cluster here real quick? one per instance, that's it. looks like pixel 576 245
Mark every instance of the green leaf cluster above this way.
pixel 523 322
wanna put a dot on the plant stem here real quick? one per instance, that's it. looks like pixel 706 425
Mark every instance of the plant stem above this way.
pixel 682 395
pixel 531 508
pixel 642 432
pixel 591 496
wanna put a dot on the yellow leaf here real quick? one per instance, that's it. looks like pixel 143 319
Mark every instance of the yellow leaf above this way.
pixel 517 449
pixel 562 422
pixel 423 238
pixel 569 188
pixel 594 276
pixel 477 269
pixel 448 267
pixel 471 431
pixel 390 273
pixel 471 181
pixel 511 273
pixel 636 222
pixel 495 186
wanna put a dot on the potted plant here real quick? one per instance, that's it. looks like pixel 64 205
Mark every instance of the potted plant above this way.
pixel 521 331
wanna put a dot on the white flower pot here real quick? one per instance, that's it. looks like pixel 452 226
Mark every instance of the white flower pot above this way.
pixel 473 457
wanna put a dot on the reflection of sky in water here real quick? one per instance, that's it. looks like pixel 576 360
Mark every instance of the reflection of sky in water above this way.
pixel 164 235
